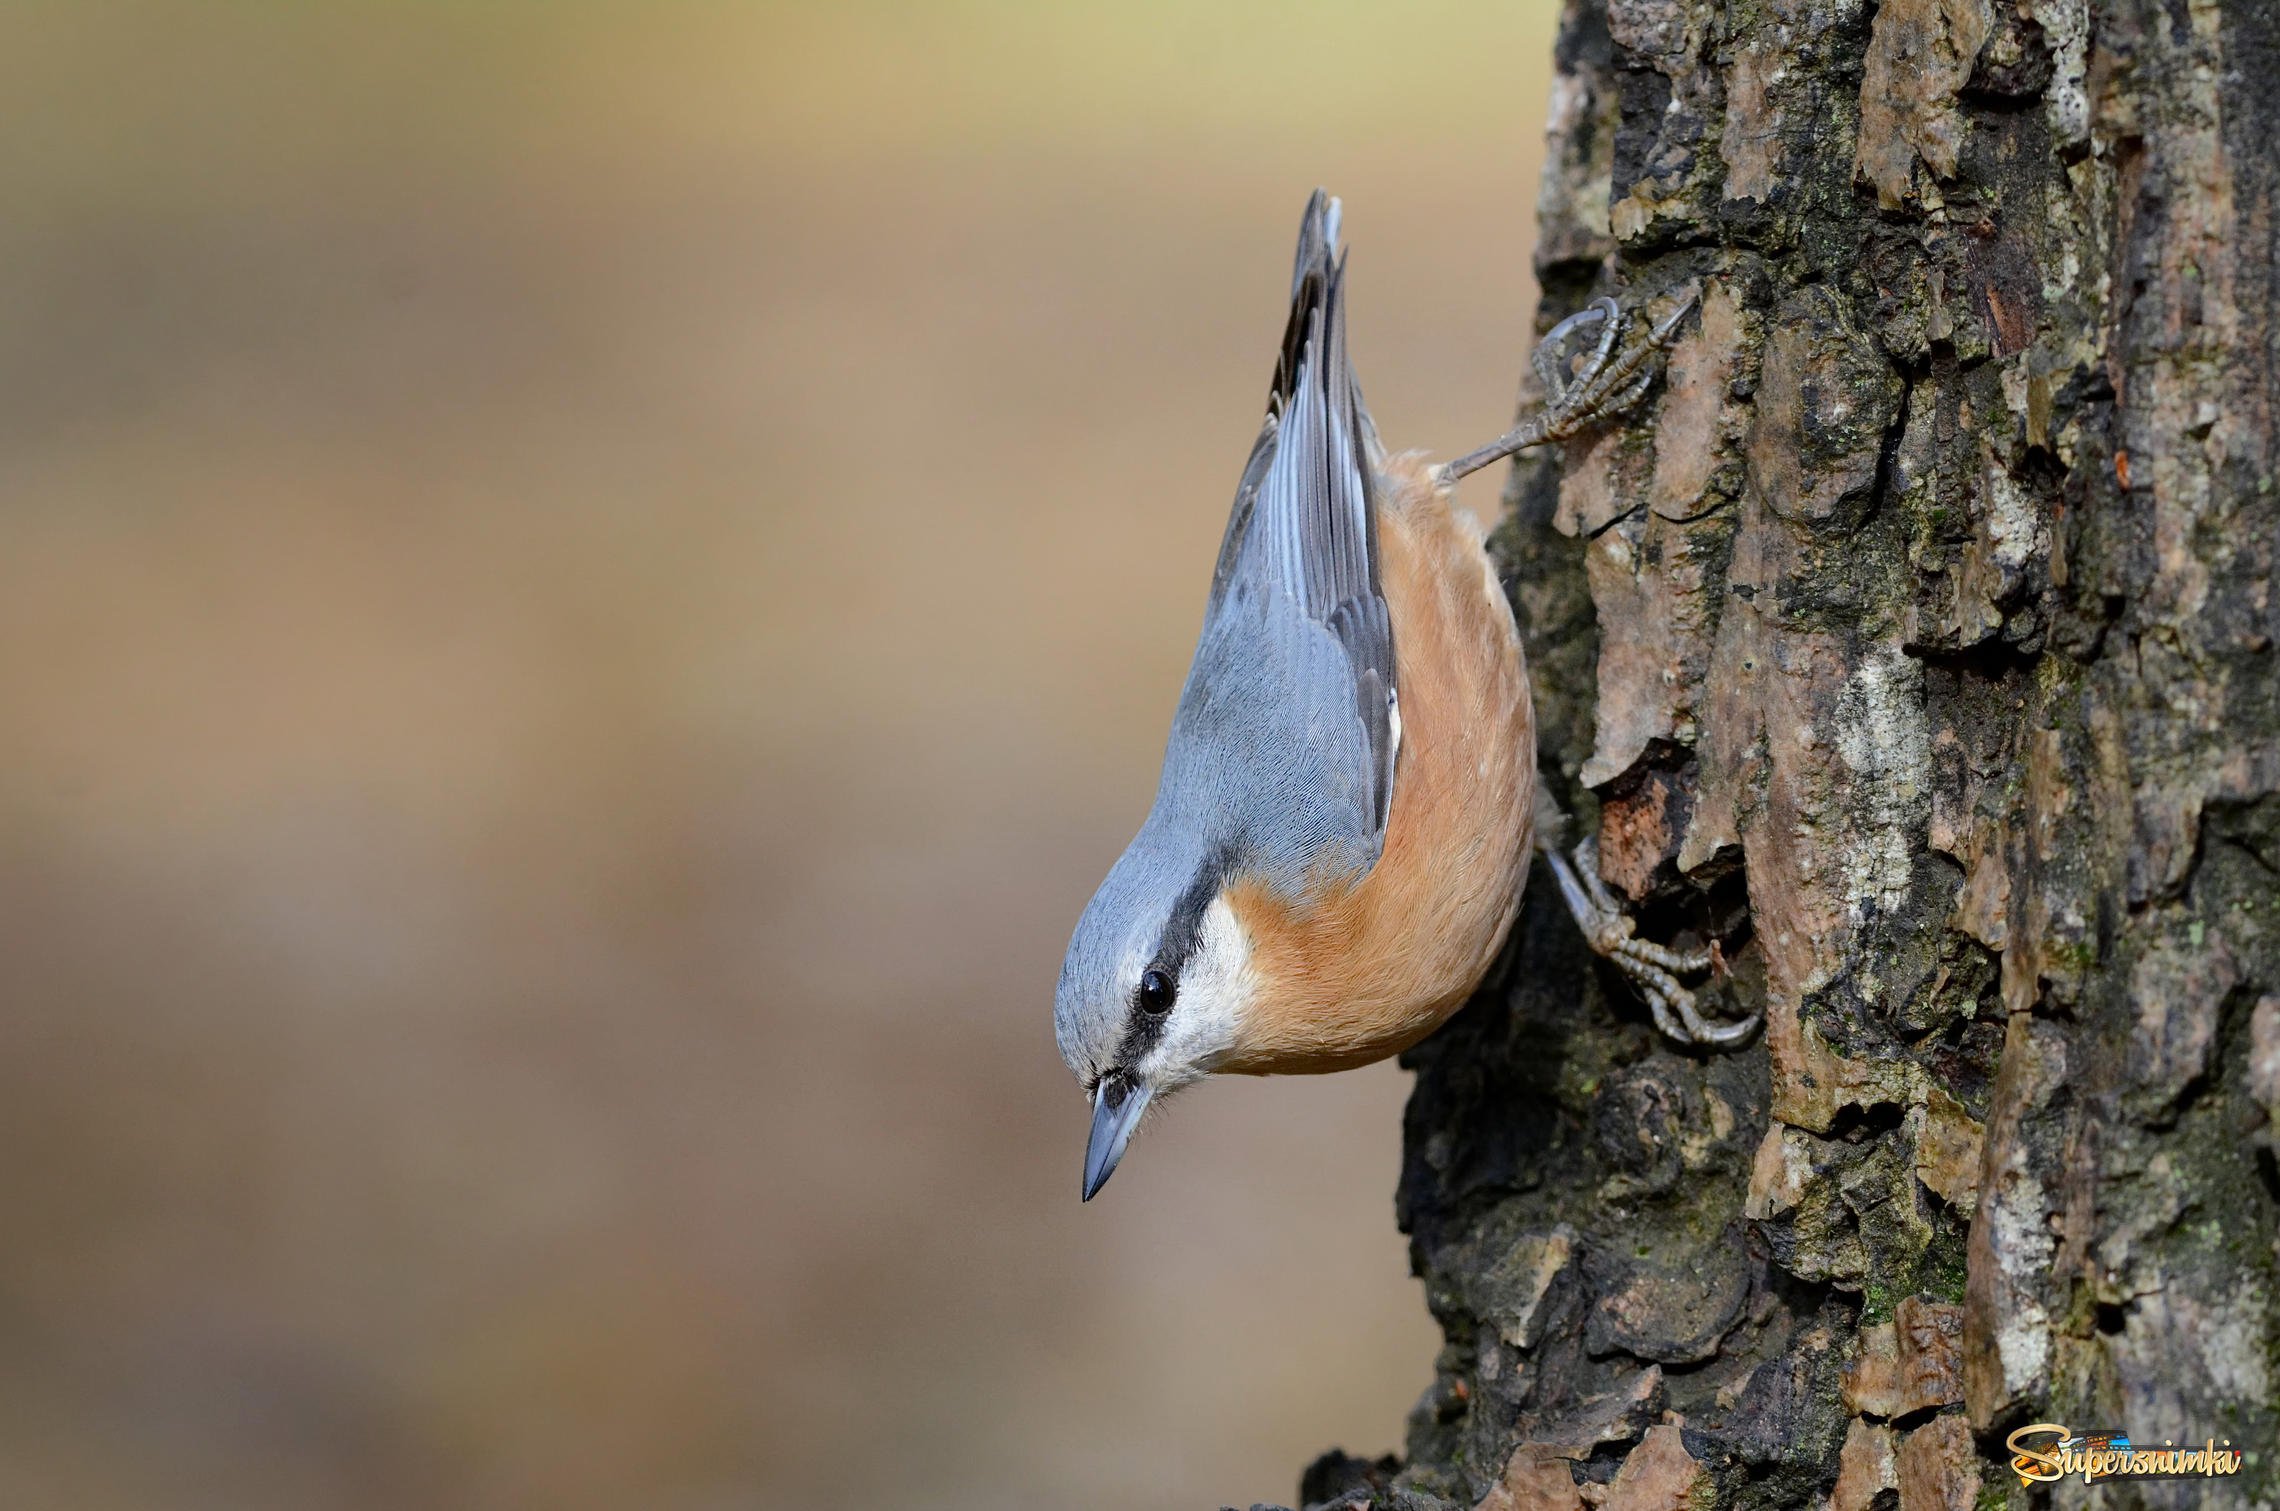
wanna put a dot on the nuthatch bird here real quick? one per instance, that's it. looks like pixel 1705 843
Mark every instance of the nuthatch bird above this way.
pixel 1344 822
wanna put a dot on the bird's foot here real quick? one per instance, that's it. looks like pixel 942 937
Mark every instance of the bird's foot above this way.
pixel 1588 373
pixel 1653 969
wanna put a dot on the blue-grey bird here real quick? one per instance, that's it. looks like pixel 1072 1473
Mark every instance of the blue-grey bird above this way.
pixel 1343 825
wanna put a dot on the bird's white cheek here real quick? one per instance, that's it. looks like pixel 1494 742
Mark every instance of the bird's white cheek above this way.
pixel 1216 989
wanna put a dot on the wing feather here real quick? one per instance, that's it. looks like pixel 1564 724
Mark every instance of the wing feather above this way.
pixel 1304 520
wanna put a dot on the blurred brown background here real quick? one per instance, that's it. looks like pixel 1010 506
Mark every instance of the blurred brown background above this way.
pixel 585 592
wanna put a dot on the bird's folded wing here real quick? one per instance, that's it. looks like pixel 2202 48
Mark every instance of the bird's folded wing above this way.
pixel 1303 527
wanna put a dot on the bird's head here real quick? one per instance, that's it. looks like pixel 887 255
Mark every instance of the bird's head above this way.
pixel 1154 988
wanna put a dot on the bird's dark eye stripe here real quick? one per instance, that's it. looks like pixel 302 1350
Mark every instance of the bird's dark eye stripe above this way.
pixel 1157 990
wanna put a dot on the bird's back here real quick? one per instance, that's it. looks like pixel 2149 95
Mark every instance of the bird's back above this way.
pixel 1285 742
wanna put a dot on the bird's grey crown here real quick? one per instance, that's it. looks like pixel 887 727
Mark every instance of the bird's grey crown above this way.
pixel 1146 913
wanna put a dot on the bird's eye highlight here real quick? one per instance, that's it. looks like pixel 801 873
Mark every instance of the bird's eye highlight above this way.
pixel 1156 993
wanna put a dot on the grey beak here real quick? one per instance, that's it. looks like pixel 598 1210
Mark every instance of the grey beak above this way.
pixel 1117 1105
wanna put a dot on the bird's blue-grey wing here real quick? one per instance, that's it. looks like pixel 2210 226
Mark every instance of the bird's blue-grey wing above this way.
pixel 1297 618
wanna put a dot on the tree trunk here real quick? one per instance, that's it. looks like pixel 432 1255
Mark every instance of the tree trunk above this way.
pixel 1915 641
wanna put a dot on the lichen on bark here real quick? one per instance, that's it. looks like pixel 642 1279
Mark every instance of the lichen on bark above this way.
pixel 1915 642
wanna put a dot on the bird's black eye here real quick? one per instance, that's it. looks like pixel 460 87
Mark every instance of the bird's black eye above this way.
pixel 1156 993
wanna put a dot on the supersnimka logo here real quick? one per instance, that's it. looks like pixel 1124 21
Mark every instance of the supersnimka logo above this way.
pixel 2048 1451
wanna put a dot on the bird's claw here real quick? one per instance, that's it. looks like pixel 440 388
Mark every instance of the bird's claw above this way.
pixel 1583 385
pixel 1603 379
pixel 1653 969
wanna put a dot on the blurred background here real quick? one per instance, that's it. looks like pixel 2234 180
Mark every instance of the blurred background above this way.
pixel 586 590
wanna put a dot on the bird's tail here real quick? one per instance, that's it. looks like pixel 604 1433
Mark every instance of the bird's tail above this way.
pixel 1316 453
pixel 1317 294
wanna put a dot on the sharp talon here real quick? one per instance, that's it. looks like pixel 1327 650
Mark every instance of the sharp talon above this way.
pixel 1666 327
pixel 1590 314
pixel 1725 1035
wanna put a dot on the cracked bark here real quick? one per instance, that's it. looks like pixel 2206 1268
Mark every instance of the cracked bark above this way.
pixel 1917 644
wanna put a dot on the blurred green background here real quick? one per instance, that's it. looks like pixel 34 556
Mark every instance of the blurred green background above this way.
pixel 585 592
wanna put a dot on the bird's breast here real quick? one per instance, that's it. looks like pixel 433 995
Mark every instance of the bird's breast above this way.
pixel 1350 970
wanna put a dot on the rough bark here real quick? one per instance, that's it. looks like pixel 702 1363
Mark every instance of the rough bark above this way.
pixel 1916 642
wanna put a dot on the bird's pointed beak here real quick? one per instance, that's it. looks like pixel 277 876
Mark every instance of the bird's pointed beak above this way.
pixel 1117 1105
